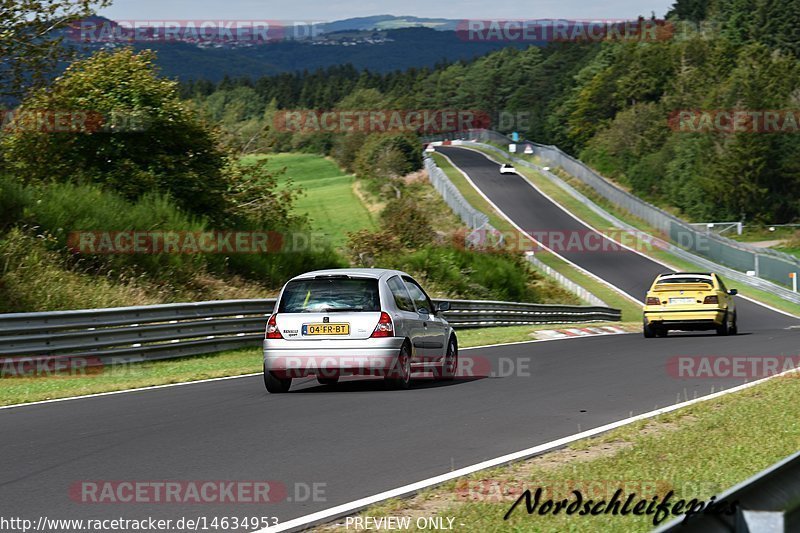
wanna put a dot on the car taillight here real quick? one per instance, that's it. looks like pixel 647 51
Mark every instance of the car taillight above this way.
pixel 652 300
pixel 385 328
pixel 272 329
pixel 711 300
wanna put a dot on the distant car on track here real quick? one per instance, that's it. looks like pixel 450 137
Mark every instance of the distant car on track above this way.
pixel 507 169
pixel 689 301
pixel 362 321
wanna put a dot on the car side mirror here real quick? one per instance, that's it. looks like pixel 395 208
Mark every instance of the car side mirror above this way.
pixel 733 292
pixel 443 306
pixel 423 311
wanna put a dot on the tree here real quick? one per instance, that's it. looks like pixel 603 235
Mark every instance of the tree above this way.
pixel 138 136
pixel 29 48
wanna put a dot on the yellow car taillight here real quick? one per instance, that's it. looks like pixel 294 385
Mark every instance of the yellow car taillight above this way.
pixel 711 300
pixel 652 300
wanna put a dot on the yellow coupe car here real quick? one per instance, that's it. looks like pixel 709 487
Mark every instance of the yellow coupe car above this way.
pixel 689 302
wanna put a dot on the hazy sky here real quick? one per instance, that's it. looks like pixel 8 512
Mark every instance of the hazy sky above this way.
pixel 326 10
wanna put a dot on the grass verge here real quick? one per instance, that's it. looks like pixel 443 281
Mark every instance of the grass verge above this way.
pixel 697 452
pixel 15 390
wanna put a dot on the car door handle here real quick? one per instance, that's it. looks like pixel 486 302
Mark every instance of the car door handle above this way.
pixel 425 324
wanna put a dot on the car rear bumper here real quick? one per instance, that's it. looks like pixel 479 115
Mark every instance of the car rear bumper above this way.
pixel 688 319
pixel 301 358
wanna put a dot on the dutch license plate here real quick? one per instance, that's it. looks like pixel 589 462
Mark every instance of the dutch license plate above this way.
pixel 681 300
pixel 326 329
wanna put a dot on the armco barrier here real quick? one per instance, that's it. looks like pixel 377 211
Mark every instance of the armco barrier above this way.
pixel 470 216
pixel 127 334
pixel 767 502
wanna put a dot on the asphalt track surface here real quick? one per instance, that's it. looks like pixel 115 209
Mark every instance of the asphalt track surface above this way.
pixel 357 439
pixel 534 212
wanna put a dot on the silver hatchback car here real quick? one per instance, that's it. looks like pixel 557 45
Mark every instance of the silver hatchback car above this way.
pixel 360 321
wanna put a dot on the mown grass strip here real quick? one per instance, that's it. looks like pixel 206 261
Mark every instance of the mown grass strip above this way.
pixel 328 193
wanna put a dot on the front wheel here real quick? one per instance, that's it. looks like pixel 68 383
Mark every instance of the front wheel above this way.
pixel 447 371
pixel 275 384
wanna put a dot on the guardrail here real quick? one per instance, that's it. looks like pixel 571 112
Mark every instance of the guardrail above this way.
pixel 132 334
pixel 470 216
pixel 768 501
pixel 583 294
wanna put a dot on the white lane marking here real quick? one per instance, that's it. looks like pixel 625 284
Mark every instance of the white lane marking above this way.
pixel 167 385
pixel 655 260
pixel 350 508
pixel 123 391
pixel 529 236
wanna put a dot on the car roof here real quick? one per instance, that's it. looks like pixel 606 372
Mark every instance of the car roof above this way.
pixel 375 273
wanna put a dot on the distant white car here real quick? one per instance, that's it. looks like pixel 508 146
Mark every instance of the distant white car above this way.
pixel 507 169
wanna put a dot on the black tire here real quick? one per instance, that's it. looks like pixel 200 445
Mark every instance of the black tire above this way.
pixel 723 329
pixel 449 367
pixel 661 331
pixel 276 385
pixel 330 380
pixel 399 376
pixel 734 330
pixel 648 330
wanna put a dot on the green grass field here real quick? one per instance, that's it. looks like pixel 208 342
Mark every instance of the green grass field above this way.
pixel 328 200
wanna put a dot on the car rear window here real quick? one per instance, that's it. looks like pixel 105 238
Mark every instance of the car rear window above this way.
pixel 330 295
pixel 687 279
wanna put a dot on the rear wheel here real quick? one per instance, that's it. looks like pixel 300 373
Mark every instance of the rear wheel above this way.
pixel 275 384
pixel 399 376
pixel 661 331
pixel 734 328
pixel 447 371
pixel 648 330
pixel 723 329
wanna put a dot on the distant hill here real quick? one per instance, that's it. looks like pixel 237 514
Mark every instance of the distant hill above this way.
pixel 376 50
pixel 389 22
